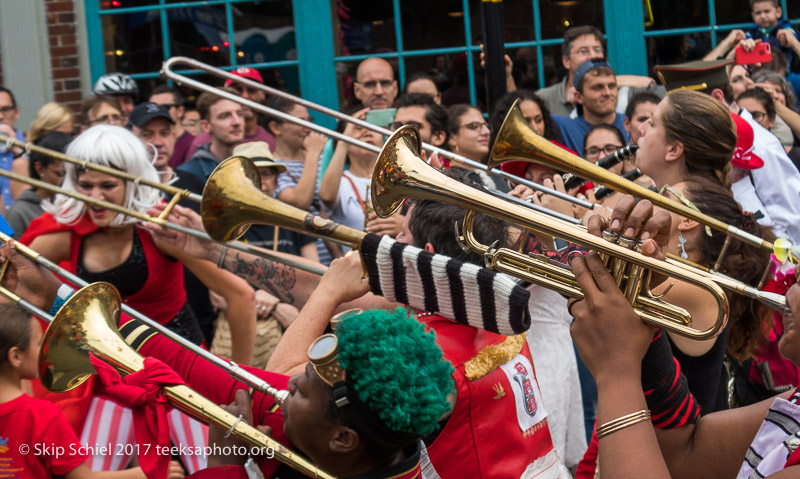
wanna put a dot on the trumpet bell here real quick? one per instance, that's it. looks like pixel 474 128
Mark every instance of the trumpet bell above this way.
pixel 86 322
pixel 230 192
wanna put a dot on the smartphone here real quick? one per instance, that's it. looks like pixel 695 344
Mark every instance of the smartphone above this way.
pixel 381 118
pixel 760 54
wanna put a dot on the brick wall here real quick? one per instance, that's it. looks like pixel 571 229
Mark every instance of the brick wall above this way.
pixel 64 52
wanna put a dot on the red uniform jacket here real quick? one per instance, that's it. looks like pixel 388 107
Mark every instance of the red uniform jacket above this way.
pixel 498 428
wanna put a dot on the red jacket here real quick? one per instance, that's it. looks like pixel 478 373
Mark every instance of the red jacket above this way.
pixel 499 425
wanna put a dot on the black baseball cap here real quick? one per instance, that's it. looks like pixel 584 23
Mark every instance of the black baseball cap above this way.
pixel 147 111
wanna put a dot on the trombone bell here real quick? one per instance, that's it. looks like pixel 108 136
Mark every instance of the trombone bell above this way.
pixel 87 322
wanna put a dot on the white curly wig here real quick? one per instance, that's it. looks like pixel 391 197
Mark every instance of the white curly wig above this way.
pixel 115 147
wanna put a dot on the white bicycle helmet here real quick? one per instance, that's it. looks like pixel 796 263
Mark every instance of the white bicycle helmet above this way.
pixel 116 84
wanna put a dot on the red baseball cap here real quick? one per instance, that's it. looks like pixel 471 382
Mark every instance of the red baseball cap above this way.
pixel 743 156
pixel 246 72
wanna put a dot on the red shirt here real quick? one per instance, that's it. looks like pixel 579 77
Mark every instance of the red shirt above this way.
pixel 36 440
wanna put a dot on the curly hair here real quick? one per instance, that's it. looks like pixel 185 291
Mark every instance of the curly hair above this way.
pixel 742 261
pixel 398 375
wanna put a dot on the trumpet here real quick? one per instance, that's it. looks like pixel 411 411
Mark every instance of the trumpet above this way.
pixel 400 174
pixel 235 371
pixel 87 323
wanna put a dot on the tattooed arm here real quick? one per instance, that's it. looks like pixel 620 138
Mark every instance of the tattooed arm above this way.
pixel 289 284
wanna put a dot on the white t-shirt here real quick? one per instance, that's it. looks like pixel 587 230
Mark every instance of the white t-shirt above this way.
pixel 348 210
pixel 777 183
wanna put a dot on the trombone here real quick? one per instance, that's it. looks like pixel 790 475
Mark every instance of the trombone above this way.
pixel 517 141
pixel 87 323
pixel 159 220
pixel 167 72
pixel 230 367
pixel 177 193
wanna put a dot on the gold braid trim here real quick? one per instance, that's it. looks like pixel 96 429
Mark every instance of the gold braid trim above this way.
pixel 494 356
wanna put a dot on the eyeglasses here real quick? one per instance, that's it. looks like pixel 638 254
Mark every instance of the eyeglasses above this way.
pixel 595 151
pixel 758 115
pixel 683 200
pixel 6 109
pixel 586 51
pixel 397 124
pixel 107 120
pixel 190 123
pixel 372 84
pixel 475 125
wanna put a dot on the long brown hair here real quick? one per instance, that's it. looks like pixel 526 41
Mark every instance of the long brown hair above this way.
pixel 742 261
pixel 705 128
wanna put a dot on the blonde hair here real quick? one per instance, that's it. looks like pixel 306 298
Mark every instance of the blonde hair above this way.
pixel 115 147
pixel 49 117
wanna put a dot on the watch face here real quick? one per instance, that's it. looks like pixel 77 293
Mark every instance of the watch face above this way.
pixel 322 348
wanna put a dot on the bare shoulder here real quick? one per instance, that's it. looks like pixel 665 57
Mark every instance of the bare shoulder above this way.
pixel 53 246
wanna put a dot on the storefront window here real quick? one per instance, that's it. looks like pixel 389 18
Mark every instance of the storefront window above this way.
pixel 131 42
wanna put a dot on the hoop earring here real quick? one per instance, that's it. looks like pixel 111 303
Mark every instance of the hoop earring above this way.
pixel 682 245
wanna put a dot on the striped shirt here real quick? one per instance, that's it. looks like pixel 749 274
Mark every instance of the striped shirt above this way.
pixel 289 179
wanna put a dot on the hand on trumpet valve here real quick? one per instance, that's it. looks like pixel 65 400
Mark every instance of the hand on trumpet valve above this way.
pixel 611 338
pixel 184 217
pixel 224 438
pixel 27 279
pixel 638 221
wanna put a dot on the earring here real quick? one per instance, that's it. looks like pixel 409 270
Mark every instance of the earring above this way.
pixel 682 245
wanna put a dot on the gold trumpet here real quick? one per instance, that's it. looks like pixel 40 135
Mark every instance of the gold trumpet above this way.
pixel 400 173
pixel 87 323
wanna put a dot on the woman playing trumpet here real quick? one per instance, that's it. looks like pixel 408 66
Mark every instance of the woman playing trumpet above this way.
pixel 625 357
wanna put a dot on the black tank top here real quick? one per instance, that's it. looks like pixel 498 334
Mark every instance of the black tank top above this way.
pixel 129 277
pixel 704 372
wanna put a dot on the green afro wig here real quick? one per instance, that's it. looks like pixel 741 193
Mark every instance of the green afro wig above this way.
pixel 396 369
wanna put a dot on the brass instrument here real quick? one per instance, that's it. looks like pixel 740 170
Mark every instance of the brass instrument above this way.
pixel 517 141
pixel 87 323
pixel 167 72
pixel 159 220
pixel 232 200
pixel 400 173
pixel 235 371
pixel 177 193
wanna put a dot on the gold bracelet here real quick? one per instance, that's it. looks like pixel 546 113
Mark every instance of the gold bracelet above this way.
pixel 221 257
pixel 622 422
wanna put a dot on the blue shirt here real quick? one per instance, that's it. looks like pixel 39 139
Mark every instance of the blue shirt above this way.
pixel 574 130
pixel 6 160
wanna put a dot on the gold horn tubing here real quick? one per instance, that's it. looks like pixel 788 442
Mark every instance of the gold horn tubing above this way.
pixel 170 190
pixel 517 141
pixel 233 200
pixel 400 173
pixel 87 323
pixel 159 221
pixel 543 271
pixel 167 72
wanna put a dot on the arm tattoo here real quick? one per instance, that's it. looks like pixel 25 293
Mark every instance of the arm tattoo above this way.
pixel 276 278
